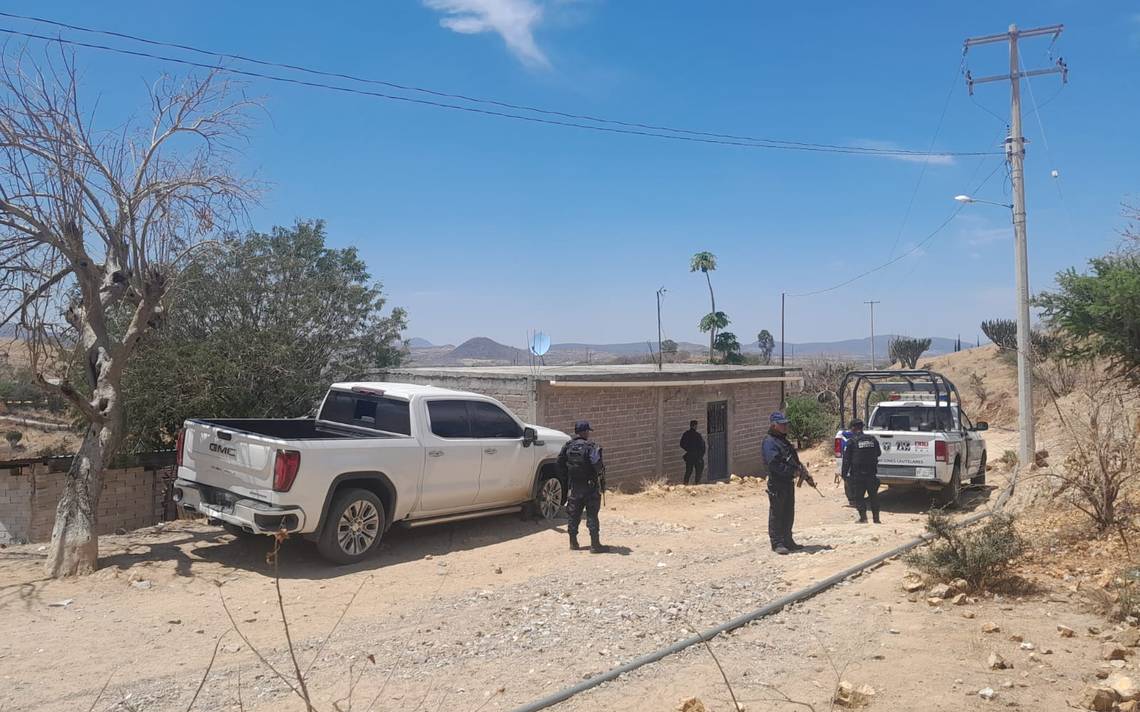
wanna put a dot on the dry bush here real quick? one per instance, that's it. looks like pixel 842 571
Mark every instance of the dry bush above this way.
pixel 979 390
pixel 1104 463
pixel 980 554
pixel 821 375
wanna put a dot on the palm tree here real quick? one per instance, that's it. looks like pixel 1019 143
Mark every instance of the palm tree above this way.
pixel 705 262
pixel 712 323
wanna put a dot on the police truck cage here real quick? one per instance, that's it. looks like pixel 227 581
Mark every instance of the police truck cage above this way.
pixel 913 385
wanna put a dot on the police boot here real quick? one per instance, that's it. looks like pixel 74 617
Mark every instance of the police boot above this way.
pixel 862 516
pixel 574 542
pixel 596 545
pixel 875 516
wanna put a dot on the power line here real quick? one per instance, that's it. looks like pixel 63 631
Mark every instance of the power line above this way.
pixel 633 128
pixel 904 255
pixel 926 160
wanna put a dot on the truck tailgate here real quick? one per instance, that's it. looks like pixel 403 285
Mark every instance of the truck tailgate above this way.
pixel 229 459
pixel 903 451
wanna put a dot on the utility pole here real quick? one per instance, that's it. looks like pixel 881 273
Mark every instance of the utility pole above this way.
pixel 783 384
pixel 660 355
pixel 1015 155
pixel 872 302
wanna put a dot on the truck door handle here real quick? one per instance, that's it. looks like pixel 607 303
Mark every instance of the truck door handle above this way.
pixel 435 453
pixel 490 451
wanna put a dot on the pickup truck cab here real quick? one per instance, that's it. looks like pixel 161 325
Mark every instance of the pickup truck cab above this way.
pixel 375 455
pixel 926 437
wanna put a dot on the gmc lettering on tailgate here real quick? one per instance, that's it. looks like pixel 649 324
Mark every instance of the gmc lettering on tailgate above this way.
pixel 223 450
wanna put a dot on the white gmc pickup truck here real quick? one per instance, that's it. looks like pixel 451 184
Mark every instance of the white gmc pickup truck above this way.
pixel 375 455
pixel 926 437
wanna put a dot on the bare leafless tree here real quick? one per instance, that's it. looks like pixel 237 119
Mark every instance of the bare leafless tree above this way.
pixel 94 228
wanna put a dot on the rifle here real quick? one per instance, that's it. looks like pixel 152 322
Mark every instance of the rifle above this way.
pixel 601 469
pixel 805 477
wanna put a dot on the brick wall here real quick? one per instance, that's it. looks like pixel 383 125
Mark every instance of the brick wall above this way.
pixel 640 428
pixel 624 421
pixel 132 497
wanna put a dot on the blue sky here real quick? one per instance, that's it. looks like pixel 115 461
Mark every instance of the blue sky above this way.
pixel 485 226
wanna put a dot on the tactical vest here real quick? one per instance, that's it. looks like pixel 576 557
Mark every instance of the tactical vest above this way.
pixel 578 464
pixel 864 460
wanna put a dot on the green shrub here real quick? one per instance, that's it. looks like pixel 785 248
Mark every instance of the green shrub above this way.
pixel 980 554
pixel 13 437
pixel 808 421
pixel 1009 458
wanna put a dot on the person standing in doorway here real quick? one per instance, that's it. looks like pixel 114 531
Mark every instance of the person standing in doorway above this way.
pixel 694 446
pixel 783 468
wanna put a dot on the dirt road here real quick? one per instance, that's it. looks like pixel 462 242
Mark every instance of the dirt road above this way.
pixel 493 612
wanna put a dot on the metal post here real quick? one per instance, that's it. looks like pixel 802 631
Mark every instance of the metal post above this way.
pixel 660 354
pixel 872 303
pixel 1015 151
pixel 1015 154
pixel 783 385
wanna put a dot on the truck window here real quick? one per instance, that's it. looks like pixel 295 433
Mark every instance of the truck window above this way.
pixel 491 421
pixel 376 413
pixel 918 418
pixel 449 418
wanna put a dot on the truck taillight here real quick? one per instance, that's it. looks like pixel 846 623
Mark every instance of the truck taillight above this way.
pixel 285 469
pixel 179 446
pixel 940 452
pixel 838 447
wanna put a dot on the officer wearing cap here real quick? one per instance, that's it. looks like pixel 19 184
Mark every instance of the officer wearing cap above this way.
pixel 580 463
pixel 783 466
pixel 860 471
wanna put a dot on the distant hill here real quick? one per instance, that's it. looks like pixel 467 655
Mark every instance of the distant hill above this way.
pixel 484 351
pixel 481 348
pixel 417 343
pixel 858 348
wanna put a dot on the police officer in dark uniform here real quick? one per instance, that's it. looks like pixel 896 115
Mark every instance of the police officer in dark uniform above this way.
pixel 580 462
pixel 861 471
pixel 783 467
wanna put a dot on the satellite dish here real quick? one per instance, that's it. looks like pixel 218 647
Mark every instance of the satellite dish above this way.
pixel 540 345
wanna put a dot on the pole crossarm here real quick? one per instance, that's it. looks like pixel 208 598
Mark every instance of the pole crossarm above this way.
pixel 1054 30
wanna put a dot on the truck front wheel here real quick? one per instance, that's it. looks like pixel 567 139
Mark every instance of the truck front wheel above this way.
pixel 950 493
pixel 353 527
pixel 551 496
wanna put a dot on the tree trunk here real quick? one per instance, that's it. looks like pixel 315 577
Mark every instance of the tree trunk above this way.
pixel 74 548
pixel 712 331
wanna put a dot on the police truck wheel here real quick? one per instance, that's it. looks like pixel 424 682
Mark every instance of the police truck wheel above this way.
pixel 551 498
pixel 353 527
pixel 980 478
pixel 949 495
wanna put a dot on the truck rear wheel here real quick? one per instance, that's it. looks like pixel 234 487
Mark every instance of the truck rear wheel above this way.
pixel 950 494
pixel 980 478
pixel 353 527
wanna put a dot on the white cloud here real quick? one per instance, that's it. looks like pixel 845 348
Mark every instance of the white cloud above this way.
pixel 513 20
pixel 933 159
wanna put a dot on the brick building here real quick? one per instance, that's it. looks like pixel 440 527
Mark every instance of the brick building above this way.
pixel 638 413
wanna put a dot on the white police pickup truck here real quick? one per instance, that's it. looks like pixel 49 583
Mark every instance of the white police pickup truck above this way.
pixel 927 439
pixel 376 454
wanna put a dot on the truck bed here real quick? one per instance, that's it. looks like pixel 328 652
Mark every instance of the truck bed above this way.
pixel 290 429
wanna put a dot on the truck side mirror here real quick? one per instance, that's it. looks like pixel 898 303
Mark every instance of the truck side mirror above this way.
pixel 530 436
pixel 981 425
